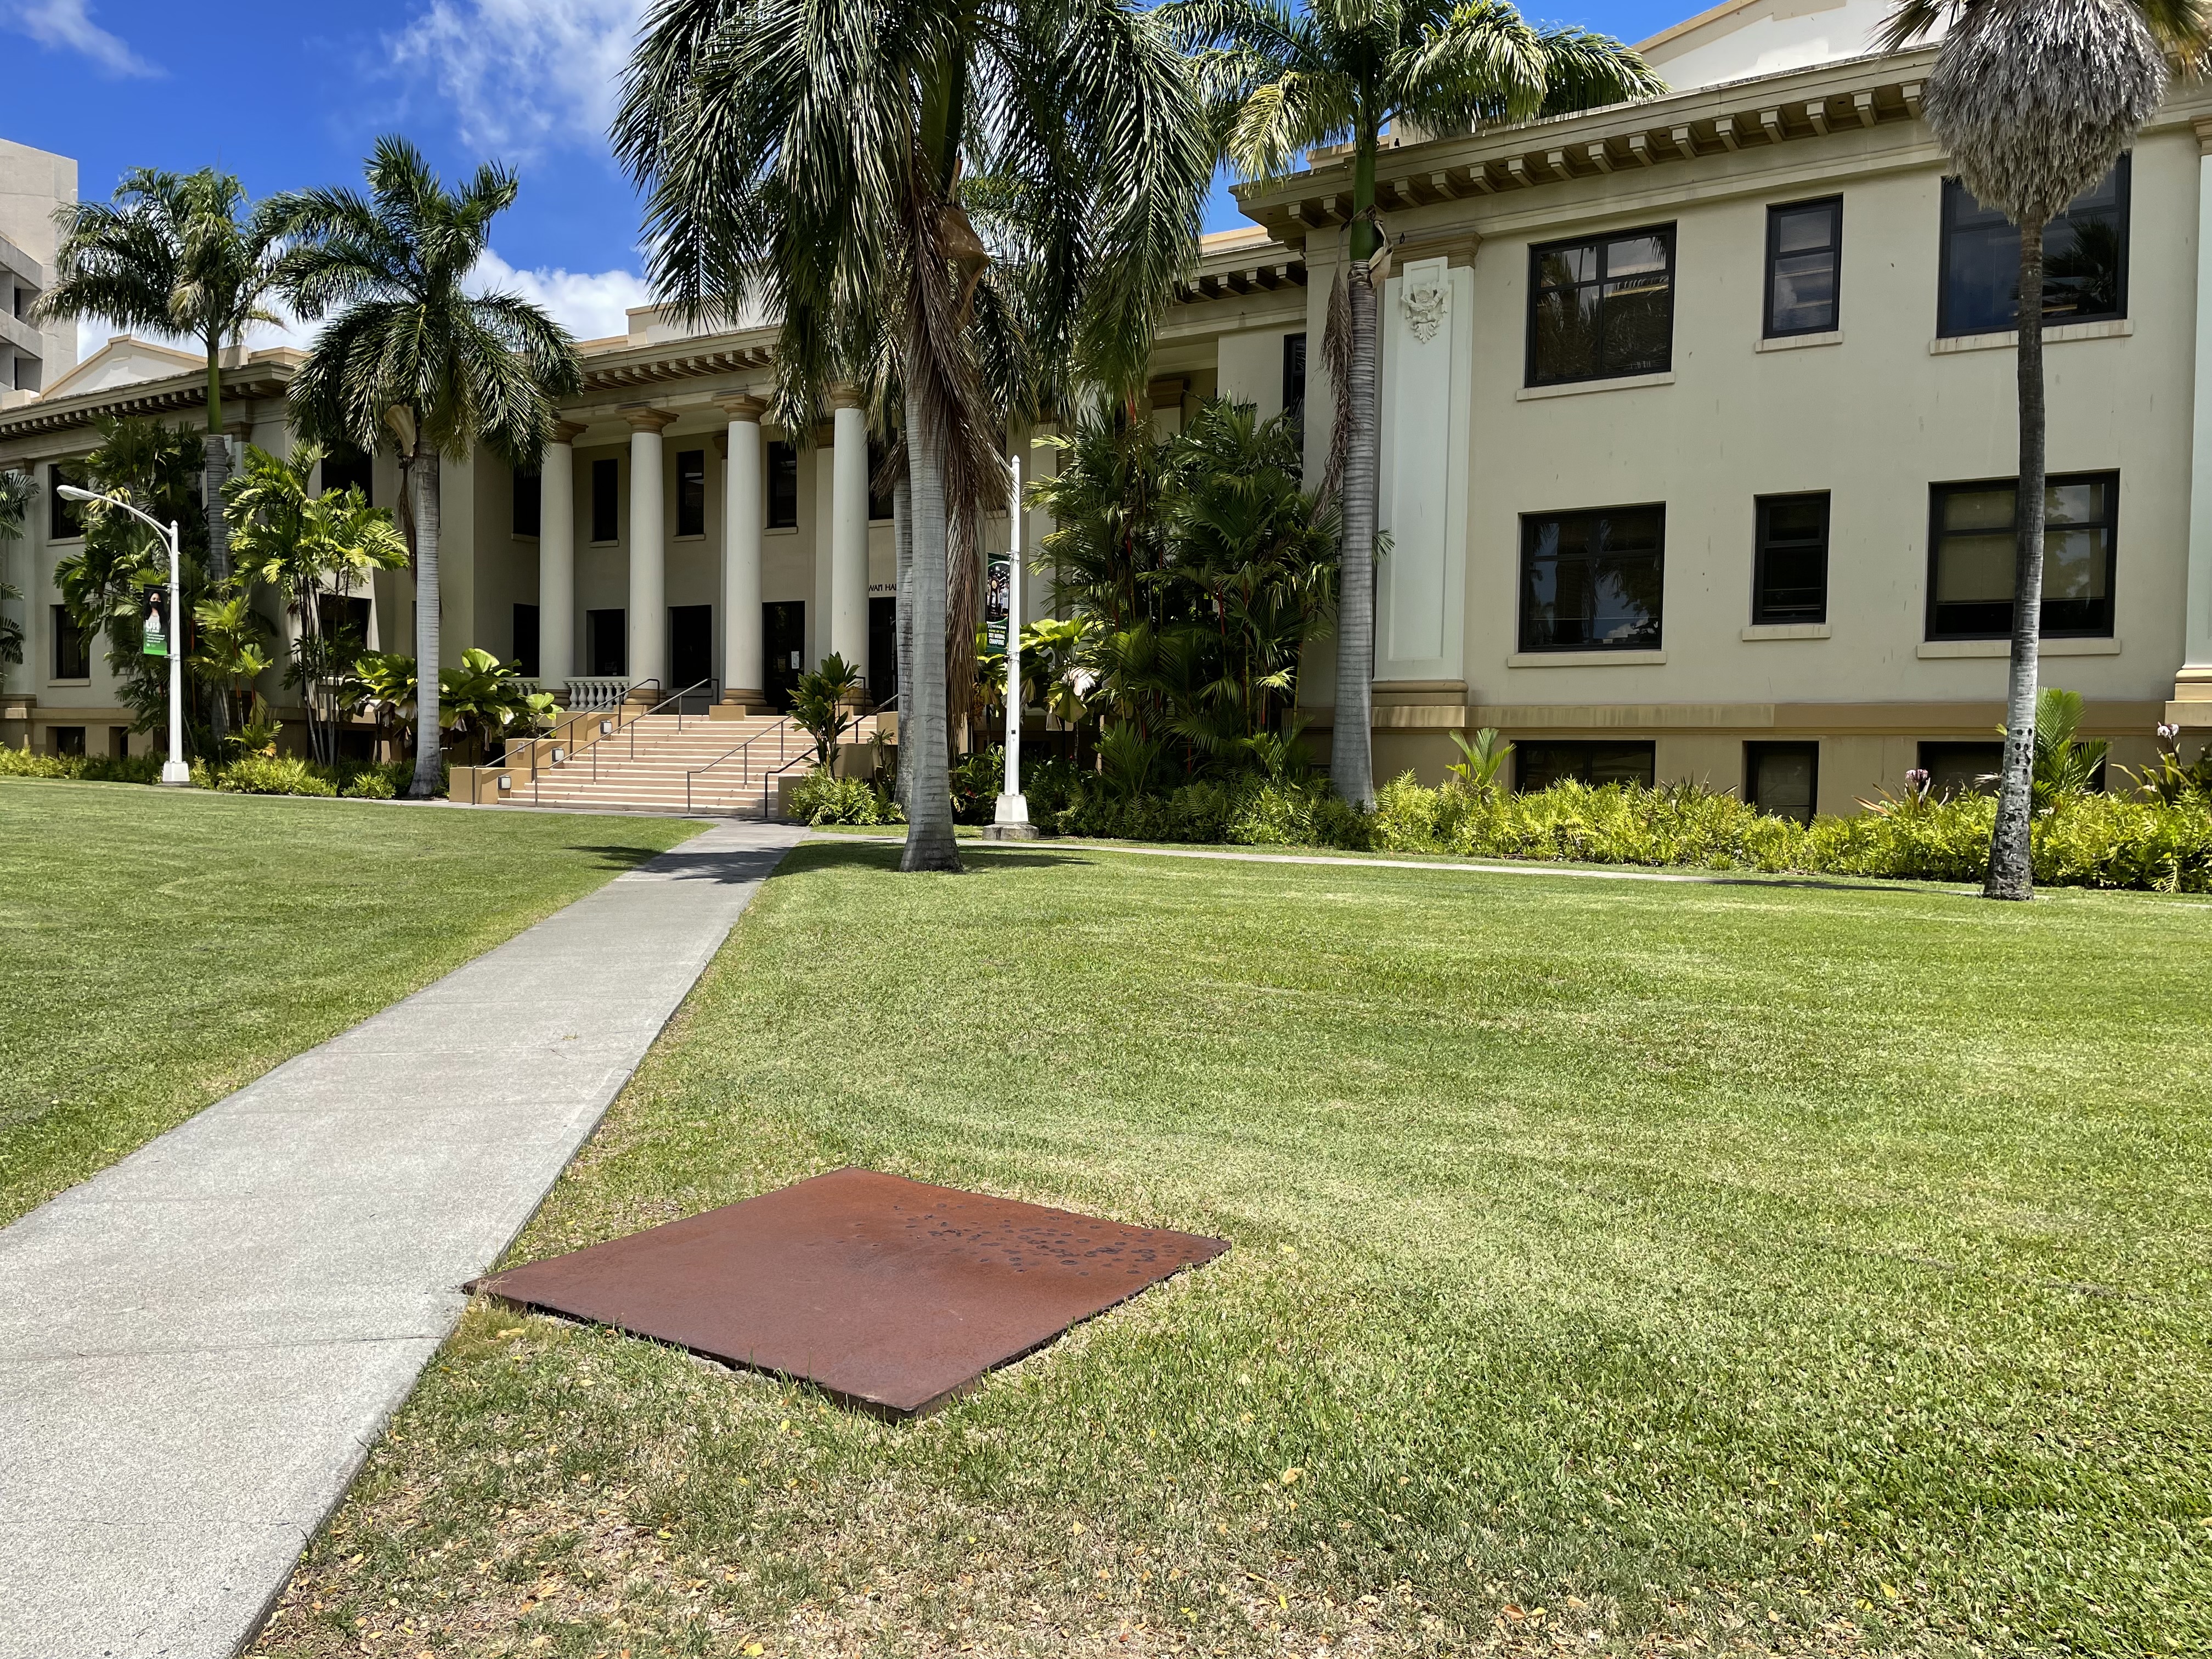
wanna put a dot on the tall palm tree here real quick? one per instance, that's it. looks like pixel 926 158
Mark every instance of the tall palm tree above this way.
pixel 826 155
pixel 412 358
pixel 169 252
pixel 2035 100
pixel 1281 79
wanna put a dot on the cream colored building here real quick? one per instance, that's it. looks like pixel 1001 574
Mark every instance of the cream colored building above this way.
pixel 1697 419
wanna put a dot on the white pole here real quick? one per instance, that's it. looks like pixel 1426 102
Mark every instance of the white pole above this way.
pixel 173 770
pixel 1012 821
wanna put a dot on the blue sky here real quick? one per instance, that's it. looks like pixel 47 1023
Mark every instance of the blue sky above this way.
pixel 288 96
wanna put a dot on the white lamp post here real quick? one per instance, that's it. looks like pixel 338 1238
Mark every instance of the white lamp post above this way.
pixel 1012 822
pixel 173 770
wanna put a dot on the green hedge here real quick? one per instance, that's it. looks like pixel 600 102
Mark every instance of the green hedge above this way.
pixel 256 775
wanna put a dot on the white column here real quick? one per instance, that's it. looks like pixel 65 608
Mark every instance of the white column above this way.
pixel 648 550
pixel 744 511
pixel 848 528
pixel 557 557
pixel 2194 683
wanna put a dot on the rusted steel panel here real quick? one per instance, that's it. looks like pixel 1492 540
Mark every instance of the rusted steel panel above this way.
pixel 891 1293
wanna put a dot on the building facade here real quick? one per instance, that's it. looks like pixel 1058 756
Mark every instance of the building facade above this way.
pixel 1698 435
pixel 33 182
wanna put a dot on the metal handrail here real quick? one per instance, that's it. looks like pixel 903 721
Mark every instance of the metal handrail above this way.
pixel 551 739
pixel 781 732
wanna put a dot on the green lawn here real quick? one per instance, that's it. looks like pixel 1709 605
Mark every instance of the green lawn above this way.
pixel 161 948
pixel 1782 1267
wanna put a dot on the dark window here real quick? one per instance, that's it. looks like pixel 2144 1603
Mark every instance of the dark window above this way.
pixel 1540 765
pixel 119 742
pixel 1783 778
pixel 879 500
pixel 67 739
pixel 1294 378
pixel 1804 260
pixel 2085 260
pixel 348 468
pixel 1591 581
pixel 1962 768
pixel 529 504
pixel 690 492
pixel 72 648
pixel 1602 308
pixel 1789 572
pixel 606 505
pixel 606 642
pixel 525 641
pixel 344 621
pixel 782 486
pixel 63 523
pixel 1971 557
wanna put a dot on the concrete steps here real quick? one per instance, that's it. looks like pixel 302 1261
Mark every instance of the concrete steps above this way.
pixel 661 764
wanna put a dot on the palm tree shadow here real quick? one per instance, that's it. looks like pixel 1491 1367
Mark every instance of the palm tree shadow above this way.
pixel 885 855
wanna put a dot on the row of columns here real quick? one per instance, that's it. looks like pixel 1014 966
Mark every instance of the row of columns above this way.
pixel 744 513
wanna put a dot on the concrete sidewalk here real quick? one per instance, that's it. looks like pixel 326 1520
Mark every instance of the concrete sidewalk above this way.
pixel 197 1345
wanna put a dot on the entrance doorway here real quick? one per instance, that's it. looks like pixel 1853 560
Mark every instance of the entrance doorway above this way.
pixel 783 648
pixel 883 649
pixel 606 642
pixel 692 649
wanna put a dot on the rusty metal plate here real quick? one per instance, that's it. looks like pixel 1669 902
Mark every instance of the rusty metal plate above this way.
pixel 894 1294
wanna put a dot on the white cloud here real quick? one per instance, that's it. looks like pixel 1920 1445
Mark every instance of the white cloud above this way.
pixel 524 75
pixel 590 305
pixel 68 24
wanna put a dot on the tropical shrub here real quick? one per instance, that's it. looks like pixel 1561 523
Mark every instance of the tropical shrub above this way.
pixel 819 798
pixel 976 781
pixel 818 701
pixel 271 774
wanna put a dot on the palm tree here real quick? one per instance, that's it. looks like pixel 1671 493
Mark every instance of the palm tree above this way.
pixel 2035 100
pixel 412 358
pixel 835 157
pixel 1279 81
pixel 306 545
pixel 169 252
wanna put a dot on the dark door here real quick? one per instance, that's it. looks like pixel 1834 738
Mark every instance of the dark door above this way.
pixel 690 647
pixel 606 642
pixel 525 641
pixel 883 649
pixel 783 648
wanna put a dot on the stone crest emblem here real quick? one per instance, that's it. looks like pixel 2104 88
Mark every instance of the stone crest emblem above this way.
pixel 1425 297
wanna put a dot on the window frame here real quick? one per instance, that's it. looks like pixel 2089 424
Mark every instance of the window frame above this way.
pixel 1528 521
pixel 63 627
pixel 696 481
pixel 1294 373
pixel 1761 617
pixel 609 468
pixel 775 468
pixel 528 490
pixel 1774 212
pixel 1758 750
pixel 1522 749
pixel 64 522
pixel 341 467
pixel 1940 491
pixel 1953 188
pixel 1665 233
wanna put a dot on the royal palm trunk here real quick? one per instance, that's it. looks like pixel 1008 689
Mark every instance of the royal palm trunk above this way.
pixel 923 725
pixel 215 451
pixel 903 553
pixel 428 754
pixel 2011 869
pixel 1351 766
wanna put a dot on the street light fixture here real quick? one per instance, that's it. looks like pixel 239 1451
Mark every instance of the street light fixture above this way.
pixel 1012 821
pixel 173 770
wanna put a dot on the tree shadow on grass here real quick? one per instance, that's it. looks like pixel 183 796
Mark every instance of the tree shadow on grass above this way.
pixel 841 853
pixel 623 858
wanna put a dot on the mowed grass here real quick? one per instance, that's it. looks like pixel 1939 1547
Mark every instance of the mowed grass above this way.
pixel 161 948
pixel 1620 1268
